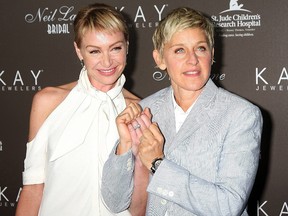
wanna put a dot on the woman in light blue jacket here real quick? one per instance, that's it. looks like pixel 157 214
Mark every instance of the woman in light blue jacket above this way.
pixel 203 152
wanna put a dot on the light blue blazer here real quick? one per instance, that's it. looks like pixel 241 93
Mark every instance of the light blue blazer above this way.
pixel 210 164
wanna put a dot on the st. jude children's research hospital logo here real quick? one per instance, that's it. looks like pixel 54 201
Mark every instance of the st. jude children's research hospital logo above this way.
pixel 236 21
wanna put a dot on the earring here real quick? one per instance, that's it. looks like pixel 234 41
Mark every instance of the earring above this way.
pixel 82 63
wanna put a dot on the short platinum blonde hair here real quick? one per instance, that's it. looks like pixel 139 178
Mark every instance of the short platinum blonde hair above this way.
pixel 180 19
pixel 100 17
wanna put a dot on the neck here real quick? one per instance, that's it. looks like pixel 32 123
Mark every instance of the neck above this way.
pixel 185 100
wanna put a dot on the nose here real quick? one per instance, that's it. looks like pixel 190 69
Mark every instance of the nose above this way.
pixel 192 58
pixel 106 60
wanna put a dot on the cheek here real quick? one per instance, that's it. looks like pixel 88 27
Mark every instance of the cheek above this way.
pixel 171 61
pixel 174 66
pixel 121 59
pixel 208 63
pixel 205 61
pixel 88 62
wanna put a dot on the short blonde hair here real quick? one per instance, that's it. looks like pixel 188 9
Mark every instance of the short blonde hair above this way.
pixel 100 17
pixel 180 19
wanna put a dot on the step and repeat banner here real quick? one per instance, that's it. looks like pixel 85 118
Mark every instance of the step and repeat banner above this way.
pixel 251 54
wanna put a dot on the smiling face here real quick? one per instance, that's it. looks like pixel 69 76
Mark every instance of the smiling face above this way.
pixel 104 56
pixel 187 57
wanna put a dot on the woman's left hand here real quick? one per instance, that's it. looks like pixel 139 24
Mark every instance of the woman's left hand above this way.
pixel 151 145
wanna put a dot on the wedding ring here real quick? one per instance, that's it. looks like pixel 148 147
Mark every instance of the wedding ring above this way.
pixel 137 126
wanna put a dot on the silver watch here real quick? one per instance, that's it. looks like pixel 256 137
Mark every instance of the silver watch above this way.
pixel 155 164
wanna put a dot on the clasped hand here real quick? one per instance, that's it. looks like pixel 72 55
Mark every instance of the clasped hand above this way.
pixel 137 131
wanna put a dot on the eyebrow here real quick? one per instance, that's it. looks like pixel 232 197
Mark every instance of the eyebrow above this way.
pixel 92 46
pixel 181 44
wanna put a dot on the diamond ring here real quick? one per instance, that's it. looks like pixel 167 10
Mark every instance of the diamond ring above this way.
pixel 136 126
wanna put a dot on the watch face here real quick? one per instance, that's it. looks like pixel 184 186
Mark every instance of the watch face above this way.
pixel 157 163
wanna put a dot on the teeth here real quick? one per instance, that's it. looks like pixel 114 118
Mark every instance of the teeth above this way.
pixel 107 71
pixel 191 72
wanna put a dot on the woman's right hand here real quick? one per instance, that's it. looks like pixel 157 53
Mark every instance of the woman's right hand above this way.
pixel 130 124
pixel 127 134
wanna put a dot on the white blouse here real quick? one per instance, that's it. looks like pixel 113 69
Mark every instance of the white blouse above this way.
pixel 70 148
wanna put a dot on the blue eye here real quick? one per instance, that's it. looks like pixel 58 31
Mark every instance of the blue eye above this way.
pixel 180 50
pixel 202 48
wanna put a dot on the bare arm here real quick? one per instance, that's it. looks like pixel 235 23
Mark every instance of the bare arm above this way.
pixel 30 199
pixel 44 102
pixel 139 196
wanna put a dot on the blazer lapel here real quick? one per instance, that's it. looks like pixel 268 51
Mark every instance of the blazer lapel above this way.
pixel 164 116
pixel 197 117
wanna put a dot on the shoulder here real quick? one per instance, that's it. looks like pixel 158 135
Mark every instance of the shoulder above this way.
pixel 234 99
pixel 241 114
pixel 44 102
pixel 238 105
pixel 157 97
pixel 219 100
pixel 50 97
pixel 129 97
